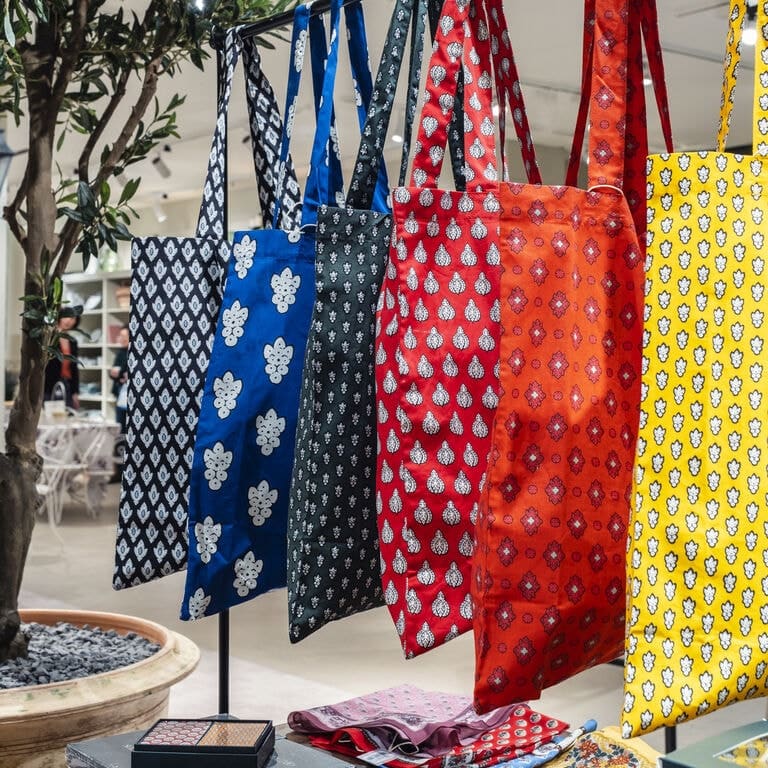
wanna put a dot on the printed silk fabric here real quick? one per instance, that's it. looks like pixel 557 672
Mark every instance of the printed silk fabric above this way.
pixel 552 529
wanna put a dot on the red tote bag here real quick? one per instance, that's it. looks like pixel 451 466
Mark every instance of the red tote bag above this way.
pixel 552 530
pixel 437 342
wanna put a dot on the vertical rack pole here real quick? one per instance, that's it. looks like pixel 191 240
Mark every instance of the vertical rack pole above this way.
pixel 223 615
pixel 224 662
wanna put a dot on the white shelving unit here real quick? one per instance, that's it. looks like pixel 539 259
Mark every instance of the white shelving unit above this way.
pixel 102 318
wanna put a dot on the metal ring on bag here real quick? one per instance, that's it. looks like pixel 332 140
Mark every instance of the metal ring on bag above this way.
pixel 606 186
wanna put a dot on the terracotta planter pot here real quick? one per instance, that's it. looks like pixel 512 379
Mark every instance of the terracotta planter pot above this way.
pixel 37 722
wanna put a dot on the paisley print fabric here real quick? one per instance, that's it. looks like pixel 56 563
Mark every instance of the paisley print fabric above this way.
pixel 524 731
pixel 176 291
pixel 552 525
pixel 697 626
pixel 437 343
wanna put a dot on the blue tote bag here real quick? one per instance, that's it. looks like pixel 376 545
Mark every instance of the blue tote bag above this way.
pixel 245 443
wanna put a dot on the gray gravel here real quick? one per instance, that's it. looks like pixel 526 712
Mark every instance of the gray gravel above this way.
pixel 65 651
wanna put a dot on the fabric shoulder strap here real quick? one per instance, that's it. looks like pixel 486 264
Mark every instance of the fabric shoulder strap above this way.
pixel 760 94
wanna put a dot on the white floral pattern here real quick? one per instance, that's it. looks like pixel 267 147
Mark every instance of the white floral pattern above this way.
pixel 284 287
pixel 260 500
pixel 244 252
pixel 198 604
pixel 247 570
pixel 233 320
pixel 269 427
pixel 217 462
pixel 278 357
pixel 207 535
pixel 226 389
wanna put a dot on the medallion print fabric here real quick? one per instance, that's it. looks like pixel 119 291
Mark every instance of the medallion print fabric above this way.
pixel 524 731
pixel 431 721
pixel 552 525
pixel 333 552
pixel 176 290
pixel 245 444
pixel 437 346
pixel 697 625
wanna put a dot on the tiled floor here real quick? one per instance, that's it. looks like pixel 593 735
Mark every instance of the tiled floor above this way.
pixel 71 566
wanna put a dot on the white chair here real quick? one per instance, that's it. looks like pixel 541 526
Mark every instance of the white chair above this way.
pixel 60 464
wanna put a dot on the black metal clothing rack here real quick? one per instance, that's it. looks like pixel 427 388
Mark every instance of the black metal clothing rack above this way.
pixel 255 29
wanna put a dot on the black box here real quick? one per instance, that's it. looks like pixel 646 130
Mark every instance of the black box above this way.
pixel 744 746
pixel 213 743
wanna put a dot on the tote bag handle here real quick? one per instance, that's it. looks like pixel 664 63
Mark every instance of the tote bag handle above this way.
pixel 374 133
pixel 451 50
pixel 211 217
pixel 732 56
pixel 305 28
pixel 266 133
pixel 509 91
pixel 643 16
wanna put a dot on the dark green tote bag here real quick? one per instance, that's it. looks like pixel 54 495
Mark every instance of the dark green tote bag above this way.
pixel 333 553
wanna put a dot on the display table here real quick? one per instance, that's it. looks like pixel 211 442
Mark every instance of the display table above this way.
pixel 602 749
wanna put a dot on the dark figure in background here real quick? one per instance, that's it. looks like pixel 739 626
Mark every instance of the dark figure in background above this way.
pixel 64 371
pixel 119 375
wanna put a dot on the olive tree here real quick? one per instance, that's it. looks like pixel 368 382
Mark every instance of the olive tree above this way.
pixel 88 67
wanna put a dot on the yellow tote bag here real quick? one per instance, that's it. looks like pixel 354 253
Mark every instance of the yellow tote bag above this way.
pixel 697 569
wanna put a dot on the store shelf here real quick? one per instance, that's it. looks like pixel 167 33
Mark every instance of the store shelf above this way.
pixel 106 319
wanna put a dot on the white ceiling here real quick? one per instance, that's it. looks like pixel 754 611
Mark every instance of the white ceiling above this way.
pixel 546 37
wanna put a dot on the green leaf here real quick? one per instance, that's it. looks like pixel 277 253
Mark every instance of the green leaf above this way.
pixel 129 190
pixel 74 214
pixel 121 231
pixel 57 288
pixel 85 200
pixel 8 26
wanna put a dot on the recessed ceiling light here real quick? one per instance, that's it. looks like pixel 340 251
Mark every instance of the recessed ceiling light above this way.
pixel 397 138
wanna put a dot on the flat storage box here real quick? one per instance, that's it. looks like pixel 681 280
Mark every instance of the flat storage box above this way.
pixel 178 743
pixel 745 746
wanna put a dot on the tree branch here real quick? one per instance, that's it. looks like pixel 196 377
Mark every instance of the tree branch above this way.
pixel 69 58
pixel 104 120
pixel 71 229
pixel 12 218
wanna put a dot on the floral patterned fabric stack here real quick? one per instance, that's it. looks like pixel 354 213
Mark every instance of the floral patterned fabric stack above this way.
pixel 416 720
pixel 523 732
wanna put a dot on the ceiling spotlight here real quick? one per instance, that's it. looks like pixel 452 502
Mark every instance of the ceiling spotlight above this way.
pixel 161 167
pixel 397 138
pixel 496 109
pixel 159 212
pixel 647 82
